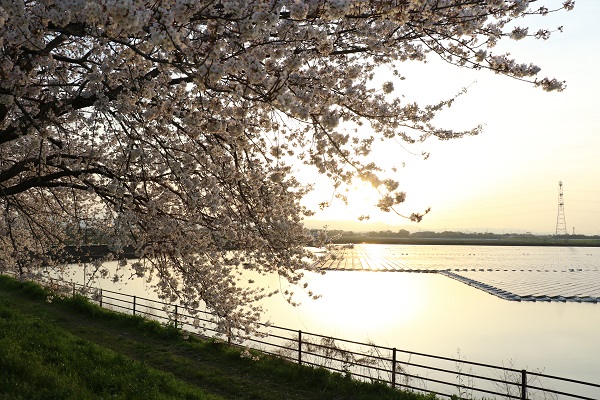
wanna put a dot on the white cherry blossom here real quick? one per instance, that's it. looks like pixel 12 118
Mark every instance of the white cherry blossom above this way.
pixel 170 126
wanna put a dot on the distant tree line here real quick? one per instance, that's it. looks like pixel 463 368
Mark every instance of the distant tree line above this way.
pixel 342 236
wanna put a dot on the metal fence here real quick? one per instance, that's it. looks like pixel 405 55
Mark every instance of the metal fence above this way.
pixel 402 369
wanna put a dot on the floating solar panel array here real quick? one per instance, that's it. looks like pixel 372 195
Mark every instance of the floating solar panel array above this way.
pixel 578 286
pixel 511 273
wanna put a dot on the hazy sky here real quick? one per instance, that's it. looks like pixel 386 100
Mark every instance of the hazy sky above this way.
pixel 505 179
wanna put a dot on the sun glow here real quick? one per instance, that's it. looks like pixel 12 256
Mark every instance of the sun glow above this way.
pixel 365 300
pixel 362 200
pixel 356 203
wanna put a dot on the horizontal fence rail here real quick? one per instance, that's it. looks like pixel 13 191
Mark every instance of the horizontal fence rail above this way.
pixel 402 369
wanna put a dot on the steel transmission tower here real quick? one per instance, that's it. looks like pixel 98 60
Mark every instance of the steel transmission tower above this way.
pixel 561 225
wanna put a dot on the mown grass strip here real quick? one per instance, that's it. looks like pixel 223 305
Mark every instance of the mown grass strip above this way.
pixel 40 360
pixel 73 349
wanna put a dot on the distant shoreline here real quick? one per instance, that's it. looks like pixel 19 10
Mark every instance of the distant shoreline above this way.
pixel 95 252
pixel 530 241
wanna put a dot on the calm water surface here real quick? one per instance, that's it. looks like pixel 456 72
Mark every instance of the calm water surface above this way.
pixel 431 313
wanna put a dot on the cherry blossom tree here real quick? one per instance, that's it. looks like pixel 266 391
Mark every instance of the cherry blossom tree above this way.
pixel 173 126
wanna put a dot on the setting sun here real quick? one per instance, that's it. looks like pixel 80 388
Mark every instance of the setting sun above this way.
pixel 360 206
pixel 362 201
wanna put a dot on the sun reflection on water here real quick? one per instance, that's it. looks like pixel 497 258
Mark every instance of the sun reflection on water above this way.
pixel 357 303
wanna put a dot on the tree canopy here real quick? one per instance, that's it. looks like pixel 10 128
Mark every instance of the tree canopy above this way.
pixel 172 126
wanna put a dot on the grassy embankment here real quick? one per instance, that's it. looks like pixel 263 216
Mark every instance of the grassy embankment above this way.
pixel 72 349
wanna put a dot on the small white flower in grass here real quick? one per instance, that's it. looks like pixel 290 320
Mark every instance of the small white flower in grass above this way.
pixel 245 354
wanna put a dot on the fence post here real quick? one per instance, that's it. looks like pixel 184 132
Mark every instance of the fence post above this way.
pixel 175 316
pixel 300 347
pixel 100 298
pixel 133 305
pixel 523 385
pixel 394 368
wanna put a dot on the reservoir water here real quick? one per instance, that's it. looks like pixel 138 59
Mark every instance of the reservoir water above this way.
pixel 555 328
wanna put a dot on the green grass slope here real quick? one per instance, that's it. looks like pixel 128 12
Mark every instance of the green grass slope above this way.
pixel 72 349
